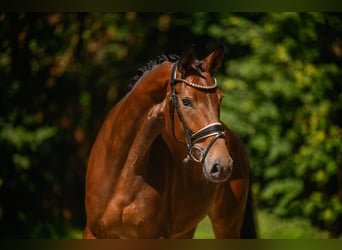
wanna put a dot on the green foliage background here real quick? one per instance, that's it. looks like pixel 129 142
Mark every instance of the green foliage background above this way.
pixel 61 73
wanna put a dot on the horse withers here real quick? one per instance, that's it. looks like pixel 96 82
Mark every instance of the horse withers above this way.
pixel 163 160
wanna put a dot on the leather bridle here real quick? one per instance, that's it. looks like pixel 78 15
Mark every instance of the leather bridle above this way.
pixel 215 130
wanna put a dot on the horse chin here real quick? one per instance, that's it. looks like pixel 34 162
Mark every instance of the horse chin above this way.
pixel 216 180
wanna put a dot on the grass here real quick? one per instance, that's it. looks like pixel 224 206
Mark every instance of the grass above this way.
pixel 271 227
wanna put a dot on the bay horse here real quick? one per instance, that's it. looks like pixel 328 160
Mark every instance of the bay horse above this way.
pixel 163 160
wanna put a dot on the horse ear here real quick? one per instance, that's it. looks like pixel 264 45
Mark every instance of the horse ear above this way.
pixel 187 58
pixel 214 60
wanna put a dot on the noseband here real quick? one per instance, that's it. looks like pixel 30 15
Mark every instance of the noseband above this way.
pixel 215 130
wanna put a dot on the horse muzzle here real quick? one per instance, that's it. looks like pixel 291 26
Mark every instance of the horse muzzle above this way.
pixel 218 165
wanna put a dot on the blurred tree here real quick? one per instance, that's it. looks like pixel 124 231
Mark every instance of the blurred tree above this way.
pixel 52 86
pixel 283 95
pixel 60 75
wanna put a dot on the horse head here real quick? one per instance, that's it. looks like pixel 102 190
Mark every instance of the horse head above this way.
pixel 194 110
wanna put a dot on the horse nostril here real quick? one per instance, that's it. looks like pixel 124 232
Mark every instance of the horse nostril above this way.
pixel 215 170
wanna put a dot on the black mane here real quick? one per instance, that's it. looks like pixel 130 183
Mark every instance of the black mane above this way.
pixel 150 64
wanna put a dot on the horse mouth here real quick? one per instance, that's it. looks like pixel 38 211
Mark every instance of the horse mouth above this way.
pixel 217 173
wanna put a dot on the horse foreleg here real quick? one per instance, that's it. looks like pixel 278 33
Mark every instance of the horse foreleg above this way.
pixel 227 212
pixel 226 230
pixel 187 235
pixel 87 234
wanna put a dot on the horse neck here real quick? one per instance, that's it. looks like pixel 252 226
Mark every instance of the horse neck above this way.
pixel 149 90
pixel 134 122
pixel 151 87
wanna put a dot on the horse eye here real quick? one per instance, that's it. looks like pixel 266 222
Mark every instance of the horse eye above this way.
pixel 186 102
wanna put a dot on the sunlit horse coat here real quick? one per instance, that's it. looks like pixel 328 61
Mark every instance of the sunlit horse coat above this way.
pixel 138 184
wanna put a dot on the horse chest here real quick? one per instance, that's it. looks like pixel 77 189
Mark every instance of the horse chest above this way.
pixel 152 215
pixel 144 217
pixel 189 207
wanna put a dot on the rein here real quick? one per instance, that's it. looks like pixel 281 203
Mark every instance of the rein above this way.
pixel 215 130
